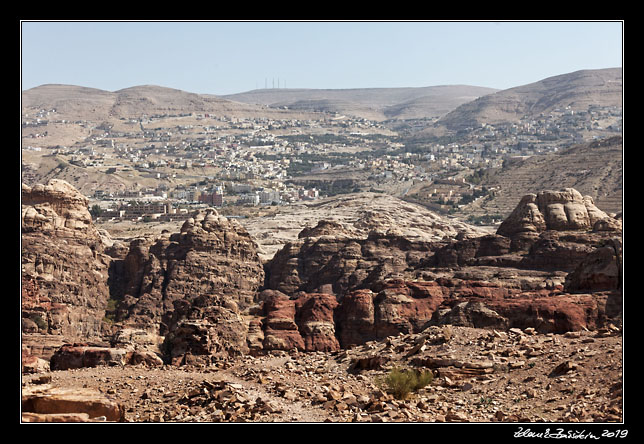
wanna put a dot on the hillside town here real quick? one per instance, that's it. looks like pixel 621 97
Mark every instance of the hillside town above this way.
pixel 177 163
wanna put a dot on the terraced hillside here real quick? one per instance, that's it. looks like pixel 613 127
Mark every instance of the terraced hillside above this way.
pixel 595 169
pixel 576 90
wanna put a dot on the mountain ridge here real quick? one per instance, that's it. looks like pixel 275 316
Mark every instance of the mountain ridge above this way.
pixel 377 103
pixel 454 106
pixel 372 103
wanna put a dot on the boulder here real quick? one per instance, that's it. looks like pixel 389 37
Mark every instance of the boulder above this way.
pixel 44 403
pixel 72 356
pixel 31 363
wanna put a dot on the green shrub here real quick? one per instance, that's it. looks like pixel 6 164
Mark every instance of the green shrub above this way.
pixel 401 382
pixel 110 311
pixel 40 322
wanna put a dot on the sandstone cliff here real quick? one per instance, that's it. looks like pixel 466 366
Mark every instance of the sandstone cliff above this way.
pixel 554 265
pixel 178 295
pixel 192 284
pixel 64 267
pixel 202 293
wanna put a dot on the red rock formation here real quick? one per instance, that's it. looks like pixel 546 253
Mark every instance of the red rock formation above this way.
pixel 388 285
pixel 314 317
pixel 555 314
pixel 400 309
pixel 356 318
pixel 554 265
pixel 64 268
pixel 305 322
pixel 280 330
pixel 190 286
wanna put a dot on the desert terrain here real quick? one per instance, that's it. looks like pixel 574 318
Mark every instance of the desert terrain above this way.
pixel 483 376
pixel 279 255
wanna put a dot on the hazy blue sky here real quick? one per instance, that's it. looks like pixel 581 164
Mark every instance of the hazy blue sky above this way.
pixel 230 57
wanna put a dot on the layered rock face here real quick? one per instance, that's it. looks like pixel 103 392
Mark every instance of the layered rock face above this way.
pixel 392 307
pixel 190 286
pixel 304 322
pixel 554 265
pixel 64 267
pixel 210 255
pixel 192 296
pixel 180 295
pixel 341 261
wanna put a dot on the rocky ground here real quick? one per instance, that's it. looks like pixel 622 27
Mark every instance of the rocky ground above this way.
pixel 359 213
pixel 481 375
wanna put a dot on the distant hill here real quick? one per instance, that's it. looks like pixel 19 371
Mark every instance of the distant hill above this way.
pixel 372 103
pixel 77 102
pixel 74 102
pixel 576 90
pixel 457 106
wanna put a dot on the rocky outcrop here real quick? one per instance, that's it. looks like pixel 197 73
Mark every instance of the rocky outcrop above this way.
pixel 314 315
pixel 280 330
pixel 85 355
pixel 57 209
pixel 209 256
pixel 44 403
pixel 30 363
pixel 180 294
pixel 552 210
pixel 304 322
pixel 545 313
pixel 64 267
pixel 205 328
pixel 554 265
pixel 191 286
pixel 342 261
pixel 395 307
pixel 193 296
pixel 600 270
pixel 458 253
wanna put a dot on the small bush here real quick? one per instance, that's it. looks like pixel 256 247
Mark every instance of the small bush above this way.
pixel 401 382
pixel 40 322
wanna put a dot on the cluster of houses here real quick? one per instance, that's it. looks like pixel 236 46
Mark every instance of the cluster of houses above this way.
pixel 161 204
pixel 249 161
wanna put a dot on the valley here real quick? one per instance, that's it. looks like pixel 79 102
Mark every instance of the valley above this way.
pixel 181 151
pixel 277 255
